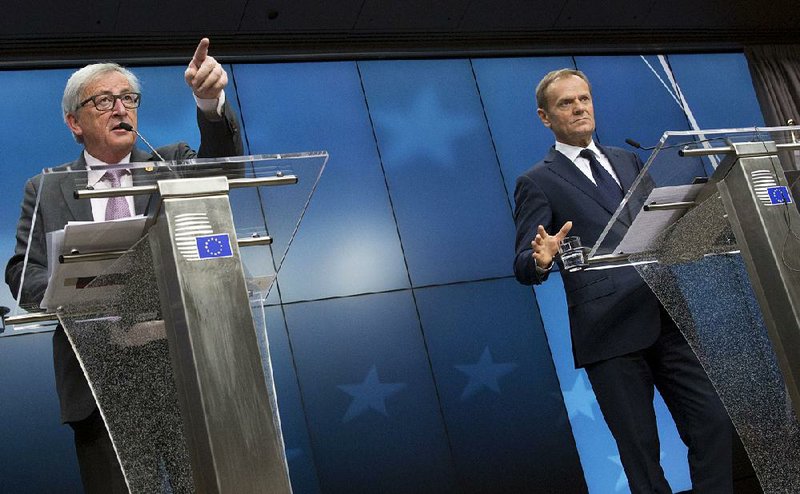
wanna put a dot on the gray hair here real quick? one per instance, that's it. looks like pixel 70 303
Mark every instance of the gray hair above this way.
pixel 73 91
pixel 553 76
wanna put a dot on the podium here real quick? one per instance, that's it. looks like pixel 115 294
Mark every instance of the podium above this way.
pixel 712 227
pixel 170 332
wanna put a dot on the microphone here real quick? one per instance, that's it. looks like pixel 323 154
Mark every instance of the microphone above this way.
pixel 129 128
pixel 635 144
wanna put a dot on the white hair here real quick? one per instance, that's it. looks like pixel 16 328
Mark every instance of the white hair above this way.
pixel 73 91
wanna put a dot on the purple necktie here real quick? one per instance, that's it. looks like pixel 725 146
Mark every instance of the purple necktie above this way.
pixel 117 207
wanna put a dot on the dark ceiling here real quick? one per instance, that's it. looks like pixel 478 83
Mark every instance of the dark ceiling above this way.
pixel 50 33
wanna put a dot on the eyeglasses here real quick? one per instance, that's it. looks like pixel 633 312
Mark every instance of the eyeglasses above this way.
pixel 105 102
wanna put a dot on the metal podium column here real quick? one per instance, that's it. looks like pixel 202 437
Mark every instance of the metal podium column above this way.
pixel 767 236
pixel 229 424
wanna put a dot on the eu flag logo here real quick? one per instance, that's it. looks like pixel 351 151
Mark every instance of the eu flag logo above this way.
pixel 779 195
pixel 214 246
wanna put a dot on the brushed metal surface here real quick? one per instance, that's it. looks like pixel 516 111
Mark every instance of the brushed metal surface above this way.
pixel 771 253
pixel 234 442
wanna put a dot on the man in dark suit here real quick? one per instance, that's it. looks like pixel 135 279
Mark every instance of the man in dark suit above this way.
pixel 97 100
pixel 621 335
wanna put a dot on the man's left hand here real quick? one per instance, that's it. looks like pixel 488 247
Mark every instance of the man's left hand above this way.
pixel 204 74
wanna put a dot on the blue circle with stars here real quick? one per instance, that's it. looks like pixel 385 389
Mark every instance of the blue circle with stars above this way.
pixel 215 244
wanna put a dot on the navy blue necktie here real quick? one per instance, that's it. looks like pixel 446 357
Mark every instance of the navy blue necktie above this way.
pixel 606 185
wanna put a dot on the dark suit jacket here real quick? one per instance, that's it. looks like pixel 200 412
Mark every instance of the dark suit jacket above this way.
pixel 57 206
pixel 611 312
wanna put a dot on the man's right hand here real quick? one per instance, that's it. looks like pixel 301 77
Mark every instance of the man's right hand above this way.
pixel 204 74
pixel 545 246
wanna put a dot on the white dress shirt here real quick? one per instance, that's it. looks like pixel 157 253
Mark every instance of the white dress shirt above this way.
pixel 573 152
pixel 94 179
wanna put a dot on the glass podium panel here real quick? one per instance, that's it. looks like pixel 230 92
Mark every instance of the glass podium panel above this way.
pixel 690 258
pixel 678 178
pixel 121 344
pixel 273 211
pixel 112 313
pixel 712 302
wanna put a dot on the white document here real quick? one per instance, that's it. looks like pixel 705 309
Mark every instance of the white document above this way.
pixel 68 282
pixel 649 224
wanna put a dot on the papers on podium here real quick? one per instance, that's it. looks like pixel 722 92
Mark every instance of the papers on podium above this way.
pixel 648 225
pixel 71 281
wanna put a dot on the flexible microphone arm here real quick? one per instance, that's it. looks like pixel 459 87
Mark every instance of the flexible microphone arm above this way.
pixel 129 128
pixel 635 144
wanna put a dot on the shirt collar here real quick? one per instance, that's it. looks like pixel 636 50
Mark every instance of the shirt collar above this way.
pixel 572 152
pixel 96 168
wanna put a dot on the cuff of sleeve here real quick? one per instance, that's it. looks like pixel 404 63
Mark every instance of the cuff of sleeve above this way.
pixel 540 270
pixel 211 108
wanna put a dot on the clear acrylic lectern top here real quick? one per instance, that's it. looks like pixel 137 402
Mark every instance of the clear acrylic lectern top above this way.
pixel 266 210
pixel 678 177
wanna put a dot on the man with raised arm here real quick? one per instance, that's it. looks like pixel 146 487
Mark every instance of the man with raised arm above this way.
pixel 100 107
pixel 621 335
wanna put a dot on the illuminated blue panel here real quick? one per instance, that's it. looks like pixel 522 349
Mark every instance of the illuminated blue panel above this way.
pixel 348 241
pixel 505 415
pixel 371 405
pixel 719 89
pixel 32 438
pixel 31 102
pixel 451 206
pixel 168 112
pixel 299 455
pixel 630 101
pixel 596 447
pixel 508 91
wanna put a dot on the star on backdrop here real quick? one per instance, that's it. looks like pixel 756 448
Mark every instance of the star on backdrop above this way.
pixel 622 480
pixel 484 374
pixel 371 393
pixel 426 127
pixel 580 399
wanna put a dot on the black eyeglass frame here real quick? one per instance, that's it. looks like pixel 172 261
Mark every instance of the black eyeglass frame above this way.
pixel 114 97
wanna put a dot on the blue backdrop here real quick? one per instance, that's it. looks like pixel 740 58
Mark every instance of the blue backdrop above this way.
pixel 406 357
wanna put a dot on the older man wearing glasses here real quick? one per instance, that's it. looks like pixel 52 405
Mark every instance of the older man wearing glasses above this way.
pixel 100 107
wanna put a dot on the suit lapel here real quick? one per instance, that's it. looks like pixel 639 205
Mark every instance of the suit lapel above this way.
pixel 566 169
pixel 81 209
pixel 141 176
pixel 139 156
pixel 626 171
pixel 625 174
pixel 76 179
